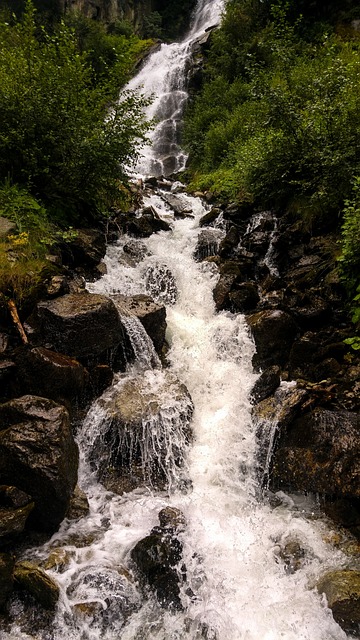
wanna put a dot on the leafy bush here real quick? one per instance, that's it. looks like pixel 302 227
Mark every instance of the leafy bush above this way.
pixel 278 114
pixel 62 138
pixel 350 256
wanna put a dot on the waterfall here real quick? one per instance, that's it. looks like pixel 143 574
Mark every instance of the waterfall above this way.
pixel 163 78
pixel 236 586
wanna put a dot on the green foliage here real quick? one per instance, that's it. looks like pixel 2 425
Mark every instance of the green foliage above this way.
pixel 152 25
pixel 350 235
pixel 350 257
pixel 278 115
pixel 22 255
pixel 63 137
pixel 110 52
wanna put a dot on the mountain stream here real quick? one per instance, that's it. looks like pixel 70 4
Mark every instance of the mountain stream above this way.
pixel 237 586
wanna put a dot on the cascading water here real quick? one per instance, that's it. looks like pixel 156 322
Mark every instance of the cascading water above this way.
pixel 236 585
pixel 164 78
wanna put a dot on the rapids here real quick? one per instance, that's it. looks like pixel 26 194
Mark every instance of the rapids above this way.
pixel 240 588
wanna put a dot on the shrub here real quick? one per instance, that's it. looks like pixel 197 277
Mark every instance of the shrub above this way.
pixel 62 138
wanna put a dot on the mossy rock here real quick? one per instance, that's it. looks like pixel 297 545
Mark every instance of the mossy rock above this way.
pixel 37 582
pixel 342 590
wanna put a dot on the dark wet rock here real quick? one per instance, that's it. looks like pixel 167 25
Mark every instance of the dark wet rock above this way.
pixel 7 373
pixel 179 206
pixel 232 268
pixel 172 519
pixel 266 384
pixel 38 583
pixel 209 217
pixel 143 438
pixel 158 558
pixel 135 252
pixel 292 554
pixel 77 284
pixel 229 243
pixel 86 250
pixel 244 297
pixel 221 293
pixel 303 356
pixel 101 377
pixel 314 315
pixel 143 226
pixel 160 283
pixel 345 512
pixel 57 286
pixel 208 244
pixel 282 407
pixel 7 563
pixel 257 242
pixel 319 452
pixel 79 505
pixel 342 591
pixel 237 213
pixel 49 374
pixel 15 508
pixel 274 333
pixel 39 454
pixel 58 560
pixel 328 368
pixel 151 315
pixel 86 326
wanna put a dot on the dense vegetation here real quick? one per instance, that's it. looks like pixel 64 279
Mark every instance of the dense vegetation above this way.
pixel 277 123
pixel 65 138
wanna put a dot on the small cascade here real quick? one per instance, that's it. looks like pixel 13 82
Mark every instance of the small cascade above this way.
pixel 267 431
pixel 269 260
pixel 143 347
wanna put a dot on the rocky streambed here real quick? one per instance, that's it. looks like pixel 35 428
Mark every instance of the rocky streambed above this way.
pixel 305 400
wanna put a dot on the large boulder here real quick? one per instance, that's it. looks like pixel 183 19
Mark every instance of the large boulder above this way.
pixel 342 591
pixel 38 454
pixel 272 415
pixel 49 374
pixel 229 243
pixel 320 452
pixel 244 297
pixel 85 326
pixel 86 249
pixel 179 205
pixel 274 333
pixel 144 431
pixel 151 315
